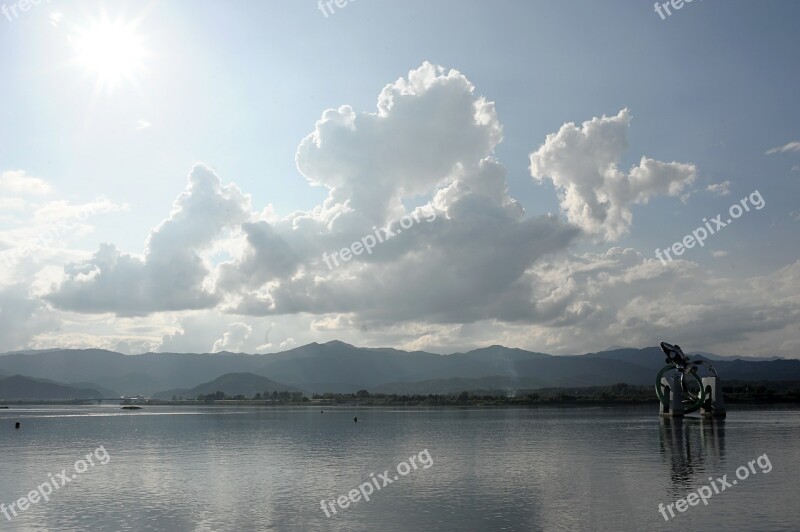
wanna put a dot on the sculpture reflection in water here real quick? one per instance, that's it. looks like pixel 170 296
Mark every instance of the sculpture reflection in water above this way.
pixel 681 390
pixel 691 453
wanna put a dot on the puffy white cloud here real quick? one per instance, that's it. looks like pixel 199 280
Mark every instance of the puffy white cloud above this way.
pixel 172 274
pixel 205 331
pixel 425 128
pixel 193 332
pixel 582 162
pixel 720 189
pixel 288 343
pixel 333 323
pixel 12 204
pixel 234 338
pixel 18 182
pixel 42 236
pixel 433 138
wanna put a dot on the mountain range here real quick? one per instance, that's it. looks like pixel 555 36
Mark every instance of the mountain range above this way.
pixel 233 384
pixel 339 367
pixel 21 388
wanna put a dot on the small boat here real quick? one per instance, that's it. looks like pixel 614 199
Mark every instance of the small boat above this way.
pixel 131 407
pixel 3 407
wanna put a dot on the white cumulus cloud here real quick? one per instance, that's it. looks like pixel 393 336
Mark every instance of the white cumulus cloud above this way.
pixel 583 164
pixel 233 339
pixel 18 182
pixel 720 189
pixel 172 274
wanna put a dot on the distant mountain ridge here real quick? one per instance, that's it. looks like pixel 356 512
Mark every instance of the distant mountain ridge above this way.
pixel 712 356
pixel 340 367
pixel 233 384
pixel 21 388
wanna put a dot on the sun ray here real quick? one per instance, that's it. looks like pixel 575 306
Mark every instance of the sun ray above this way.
pixel 111 51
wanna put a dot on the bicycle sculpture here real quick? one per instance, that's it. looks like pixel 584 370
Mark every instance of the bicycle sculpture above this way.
pixel 681 390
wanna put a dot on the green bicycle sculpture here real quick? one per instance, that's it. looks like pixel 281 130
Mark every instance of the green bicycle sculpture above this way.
pixel 679 365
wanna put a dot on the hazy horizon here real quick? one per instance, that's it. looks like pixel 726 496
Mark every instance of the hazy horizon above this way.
pixel 435 352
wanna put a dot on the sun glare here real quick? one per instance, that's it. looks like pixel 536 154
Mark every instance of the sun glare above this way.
pixel 111 51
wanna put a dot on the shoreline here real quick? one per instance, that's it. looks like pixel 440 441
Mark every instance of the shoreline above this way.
pixel 410 405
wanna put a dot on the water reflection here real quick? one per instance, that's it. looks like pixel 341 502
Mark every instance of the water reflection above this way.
pixel 712 435
pixel 689 444
pixel 493 469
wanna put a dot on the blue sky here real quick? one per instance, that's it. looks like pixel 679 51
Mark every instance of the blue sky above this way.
pixel 238 87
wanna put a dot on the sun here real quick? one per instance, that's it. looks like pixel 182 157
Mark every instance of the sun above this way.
pixel 112 51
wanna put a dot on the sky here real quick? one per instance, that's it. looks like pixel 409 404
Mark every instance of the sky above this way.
pixel 197 176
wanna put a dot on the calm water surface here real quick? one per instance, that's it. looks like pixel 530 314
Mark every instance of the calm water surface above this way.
pixel 243 468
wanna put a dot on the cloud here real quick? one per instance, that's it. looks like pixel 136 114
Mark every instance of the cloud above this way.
pixel 594 299
pixel 481 272
pixel 22 317
pixel 233 340
pixel 431 137
pixel 58 210
pixel 425 129
pixel 42 234
pixel 333 323
pixel 12 204
pixel 18 182
pixel 432 140
pixel 582 162
pixel 288 343
pixel 172 275
pixel 193 332
pixel 720 189
pixel 791 146
pixel 591 300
